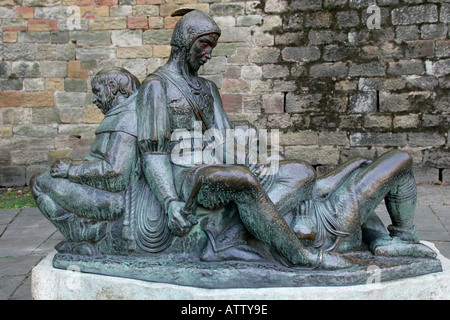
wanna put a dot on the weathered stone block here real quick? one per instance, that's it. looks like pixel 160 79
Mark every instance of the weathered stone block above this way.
pixel 425 139
pixel 235 34
pixel 155 23
pixel 91 38
pixel 121 11
pixel 72 99
pixel 337 69
pixel 264 55
pixel 274 71
pixel 108 23
pixel 45 116
pixel 9 99
pixel 419 48
pixel 76 70
pixel 36 131
pixel 138 67
pixel 157 36
pixel 6 132
pixel 24 13
pixel 36 25
pixel 273 103
pixel 60 52
pixel 75 85
pixel 235 86
pixel 415 14
pixel 251 72
pixel 12 176
pixel 248 21
pixel 28 157
pixel 381 139
pixel 16 116
pixel 433 31
pixel 303 102
pixel 272 22
pixel 95 53
pixel 405 33
pixel 407 121
pixel 54 69
pixel 363 102
pixel 289 38
pixel 350 153
pixel 347 19
pixel 275 6
pixel 299 138
pixel 19 51
pixel 34 37
pixel 319 19
pixel 284 86
pixel 54 155
pixel 137 23
pixel 314 155
pixel 146 10
pixel 227 9
pixel 394 102
pixel 85 130
pixel 303 5
pixel 232 103
pixel 161 51
pixel 442 48
pixel 406 67
pixel 216 65
pixel 339 52
pixel 378 121
pixel 445 13
pixel 125 38
pixel 440 67
pixel 326 36
pixel 27 69
pixel 310 53
pixel 92 115
pixel 422 82
pixel 53 12
pixel 37 99
pixel 370 69
pixel 34 84
pixel 438 158
pixel 11 84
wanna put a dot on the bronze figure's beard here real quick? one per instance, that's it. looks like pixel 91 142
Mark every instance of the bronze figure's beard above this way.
pixel 107 105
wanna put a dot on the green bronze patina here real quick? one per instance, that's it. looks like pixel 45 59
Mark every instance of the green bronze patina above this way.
pixel 130 210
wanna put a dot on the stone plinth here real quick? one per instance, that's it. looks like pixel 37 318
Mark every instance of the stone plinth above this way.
pixel 49 283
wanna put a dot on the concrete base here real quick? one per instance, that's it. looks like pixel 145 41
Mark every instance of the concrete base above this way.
pixel 49 283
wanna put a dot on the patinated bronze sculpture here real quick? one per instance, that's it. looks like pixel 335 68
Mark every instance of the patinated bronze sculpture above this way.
pixel 154 211
pixel 81 197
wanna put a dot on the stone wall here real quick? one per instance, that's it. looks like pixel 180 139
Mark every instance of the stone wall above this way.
pixel 318 70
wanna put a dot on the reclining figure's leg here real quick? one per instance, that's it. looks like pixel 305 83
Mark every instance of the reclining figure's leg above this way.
pixel 222 184
pixel 390 177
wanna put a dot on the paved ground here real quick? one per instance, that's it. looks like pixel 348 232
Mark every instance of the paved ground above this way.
pixel 26 237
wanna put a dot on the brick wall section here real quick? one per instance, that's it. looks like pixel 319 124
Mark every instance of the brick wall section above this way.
pixel 311 68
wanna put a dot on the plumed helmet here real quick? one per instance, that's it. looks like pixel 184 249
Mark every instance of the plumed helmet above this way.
pixel 193 24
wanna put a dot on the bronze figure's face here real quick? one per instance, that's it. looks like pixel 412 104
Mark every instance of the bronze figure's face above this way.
pixel 201 50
